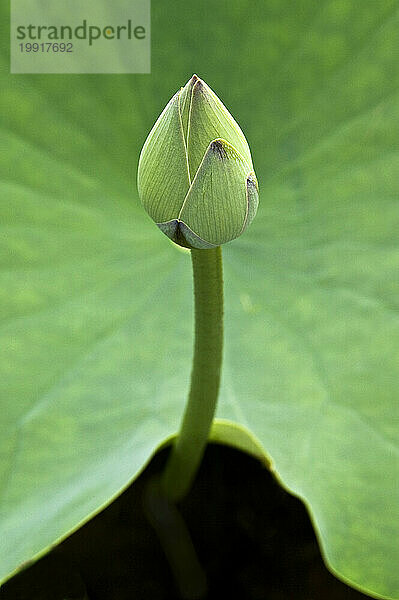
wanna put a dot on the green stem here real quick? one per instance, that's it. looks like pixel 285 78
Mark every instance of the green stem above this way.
pixel 188 449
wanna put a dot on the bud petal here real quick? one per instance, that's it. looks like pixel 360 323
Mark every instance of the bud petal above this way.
pixel 216 205
pixel 209 120
pixel 163 179
pixel 195 175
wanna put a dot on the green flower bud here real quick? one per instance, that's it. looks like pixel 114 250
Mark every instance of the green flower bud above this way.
pixel 195 175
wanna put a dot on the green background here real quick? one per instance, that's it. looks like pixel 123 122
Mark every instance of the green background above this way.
pixel 96 305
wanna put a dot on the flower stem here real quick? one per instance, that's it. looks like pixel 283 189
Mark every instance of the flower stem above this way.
pixel 189 447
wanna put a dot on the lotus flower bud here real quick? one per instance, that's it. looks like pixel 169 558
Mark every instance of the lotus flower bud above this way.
pixel 195 175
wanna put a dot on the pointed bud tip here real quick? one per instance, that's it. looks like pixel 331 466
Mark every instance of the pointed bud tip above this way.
pixel 196 83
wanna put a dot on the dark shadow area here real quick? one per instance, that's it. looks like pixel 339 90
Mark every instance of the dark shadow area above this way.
pixel 255 541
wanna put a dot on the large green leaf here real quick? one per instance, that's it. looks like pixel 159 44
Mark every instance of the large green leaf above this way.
pixel 96 304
